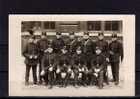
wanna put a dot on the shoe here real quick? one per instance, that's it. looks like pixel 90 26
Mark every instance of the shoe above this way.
pixel 61 86
pixel 107 83
pixel 46 84
pixel 84 85
pixel 35 83
pixel 116 83
pixel 100 87
pixel 26 83
pixel 65 85
pixel 40 82
pixel 50 87
pixel 76 86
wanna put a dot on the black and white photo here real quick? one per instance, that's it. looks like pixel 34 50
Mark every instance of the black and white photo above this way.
pixel 72 55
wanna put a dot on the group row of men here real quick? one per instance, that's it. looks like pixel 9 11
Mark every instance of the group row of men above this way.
pixel 76 61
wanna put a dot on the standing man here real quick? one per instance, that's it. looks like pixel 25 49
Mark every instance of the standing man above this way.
pixel 116 52
pixel 73 43
pixel 103 46
pixel 42 45
pixel 88 50
pixel 58 43
pixel 31 54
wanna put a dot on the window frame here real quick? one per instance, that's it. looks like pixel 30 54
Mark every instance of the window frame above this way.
pixel 49 22
pixel 111 30
pixel 93 25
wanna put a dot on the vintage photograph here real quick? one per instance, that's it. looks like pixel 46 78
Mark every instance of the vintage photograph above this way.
pixel 72 55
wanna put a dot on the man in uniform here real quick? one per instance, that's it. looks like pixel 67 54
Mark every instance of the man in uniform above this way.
pixel 48 65
pixel 58 43
pixel 72 43
pixel 42 45
pixel 64 64
pixel 98 67
pixel 103 45
pixel 116 52
pixel 88 50
pixel 31 54
pixel 79 66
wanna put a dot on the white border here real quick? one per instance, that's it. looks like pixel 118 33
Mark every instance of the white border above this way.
pixel 128 63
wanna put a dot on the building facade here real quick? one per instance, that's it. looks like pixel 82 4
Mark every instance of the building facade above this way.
pixel 93 27
pixel 65 27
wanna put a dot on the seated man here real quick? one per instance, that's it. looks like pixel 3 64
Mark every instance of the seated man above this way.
pixel 48 64
pixel 79 67
pixel 98 67
pixel 63 66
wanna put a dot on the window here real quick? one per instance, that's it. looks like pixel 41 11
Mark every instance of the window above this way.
pixel 49 25
pixel 94 25
pixel 112 25
pixel 115 25
pixel 27 25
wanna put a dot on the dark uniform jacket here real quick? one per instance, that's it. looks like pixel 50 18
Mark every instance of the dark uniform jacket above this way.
pixel 58 45
pixel 98 62
pixel 31 49
pixel 116 51
pixel 73 44
pixel 88 50
pixel 48 60
pixel 103 45
pixel 78 59
pixel 88 46
pixel 43 45
pixel 64 61
pixel 78 62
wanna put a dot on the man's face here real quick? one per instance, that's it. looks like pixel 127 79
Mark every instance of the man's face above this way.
pixel 114 38
pixel 79 39
pixel 31 40
pixel 43 36
pixel 86 36
pixel 58 36
pixel 78 51
pixel 101 37
pixel 72 36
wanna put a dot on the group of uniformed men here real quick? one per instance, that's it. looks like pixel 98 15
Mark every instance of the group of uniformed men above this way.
pixel 77 62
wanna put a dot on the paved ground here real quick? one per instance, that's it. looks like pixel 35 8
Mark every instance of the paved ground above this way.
pixel 40 90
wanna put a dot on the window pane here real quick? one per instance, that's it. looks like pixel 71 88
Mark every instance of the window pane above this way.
pixel 37 25
pixel 94 25
pixel 26 25
pixel 49 25
pixel 97 25
pixel 89 26
pixel 46 25
pixel 52 25
pixel 108 25
pixel 115 25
